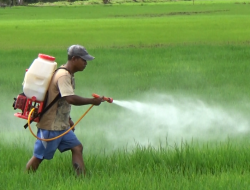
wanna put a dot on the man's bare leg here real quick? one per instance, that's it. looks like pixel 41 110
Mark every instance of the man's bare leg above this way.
pixel 77 159
pixel 33 164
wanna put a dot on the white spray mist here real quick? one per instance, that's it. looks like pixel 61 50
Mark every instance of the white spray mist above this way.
pixel 146 121
pixel 173 119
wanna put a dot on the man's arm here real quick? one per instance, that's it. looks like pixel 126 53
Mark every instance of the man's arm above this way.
pixel 78 100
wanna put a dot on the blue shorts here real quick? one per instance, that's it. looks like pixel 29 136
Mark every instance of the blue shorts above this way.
pixel 46 150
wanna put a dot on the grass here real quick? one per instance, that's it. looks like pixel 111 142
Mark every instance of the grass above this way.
pixel 121 27
pixel 188 165
pixel 198 52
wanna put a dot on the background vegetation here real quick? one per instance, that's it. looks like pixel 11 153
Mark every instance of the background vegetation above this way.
pixel 200 52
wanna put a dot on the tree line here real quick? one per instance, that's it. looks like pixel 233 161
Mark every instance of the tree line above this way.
pixel 5 3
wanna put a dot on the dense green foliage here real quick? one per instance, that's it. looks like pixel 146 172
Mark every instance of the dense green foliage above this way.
pixel 225 166
pixel 199 51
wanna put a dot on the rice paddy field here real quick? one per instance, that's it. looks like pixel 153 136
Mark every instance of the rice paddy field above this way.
pixel 179 76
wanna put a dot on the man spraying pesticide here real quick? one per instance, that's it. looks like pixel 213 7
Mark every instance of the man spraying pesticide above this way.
pixel 55 124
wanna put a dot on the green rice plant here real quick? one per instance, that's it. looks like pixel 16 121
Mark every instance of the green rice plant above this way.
pixel 199 51
pixel 144 167
pixel 164 25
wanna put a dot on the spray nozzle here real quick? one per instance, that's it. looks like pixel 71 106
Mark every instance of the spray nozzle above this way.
pixel 109 100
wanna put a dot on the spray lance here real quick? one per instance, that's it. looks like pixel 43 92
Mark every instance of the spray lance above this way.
pixel 107 99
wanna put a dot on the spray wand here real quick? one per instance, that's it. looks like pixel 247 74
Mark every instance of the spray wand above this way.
pixel 110 100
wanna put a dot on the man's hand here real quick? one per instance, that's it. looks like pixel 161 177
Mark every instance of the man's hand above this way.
pixel 98 101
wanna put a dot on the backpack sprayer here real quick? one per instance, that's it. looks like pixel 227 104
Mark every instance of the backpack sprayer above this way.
pixel 35 85
pixel 36 82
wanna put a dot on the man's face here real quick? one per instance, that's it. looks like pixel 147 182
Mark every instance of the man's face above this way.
pixel 80 63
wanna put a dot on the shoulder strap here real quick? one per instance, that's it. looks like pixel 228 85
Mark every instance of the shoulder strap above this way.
pixel 62 68
pixel 49 106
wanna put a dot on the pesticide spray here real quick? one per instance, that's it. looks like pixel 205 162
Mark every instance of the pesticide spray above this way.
pixel 161 120
pixel 167 119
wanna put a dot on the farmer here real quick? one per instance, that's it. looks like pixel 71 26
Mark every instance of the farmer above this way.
pixel 57 119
